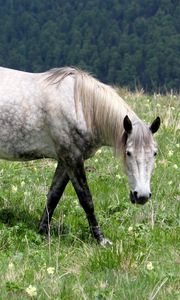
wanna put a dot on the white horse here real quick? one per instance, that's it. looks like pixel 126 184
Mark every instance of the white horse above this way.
pixel 66 114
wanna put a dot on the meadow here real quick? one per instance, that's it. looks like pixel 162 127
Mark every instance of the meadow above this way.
pixel 144 261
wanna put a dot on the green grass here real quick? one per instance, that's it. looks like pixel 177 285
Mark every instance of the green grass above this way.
pixel 144 261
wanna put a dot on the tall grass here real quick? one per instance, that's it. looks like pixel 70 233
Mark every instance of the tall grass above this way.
pixel 144 261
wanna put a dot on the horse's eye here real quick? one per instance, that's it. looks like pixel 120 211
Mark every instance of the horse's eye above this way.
pixel 128 153
pixel 155 153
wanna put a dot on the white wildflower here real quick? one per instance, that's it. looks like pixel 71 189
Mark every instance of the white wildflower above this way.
pixel 26 194
pixel 175 166
pixel 130 229
pixel 170 153
pixel 14 188
pixel 149 266
pixel 31 290
pixel 22 183
pixel 51 270
pixel 11 266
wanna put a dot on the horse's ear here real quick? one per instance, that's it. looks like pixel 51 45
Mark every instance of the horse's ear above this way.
pixel 127 125
pixel 155 125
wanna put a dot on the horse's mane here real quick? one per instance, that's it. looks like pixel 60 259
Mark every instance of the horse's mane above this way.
pixel 104 110
pixel 56 75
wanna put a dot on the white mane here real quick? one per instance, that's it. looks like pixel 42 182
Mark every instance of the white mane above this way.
pixel 103 108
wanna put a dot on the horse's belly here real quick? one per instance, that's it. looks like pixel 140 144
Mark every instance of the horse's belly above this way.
pixel 26 154
pixel 33 145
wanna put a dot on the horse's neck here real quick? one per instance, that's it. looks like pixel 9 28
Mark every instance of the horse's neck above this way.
pixel 103 109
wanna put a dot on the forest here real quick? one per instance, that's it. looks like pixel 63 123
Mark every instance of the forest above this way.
pixel 133 43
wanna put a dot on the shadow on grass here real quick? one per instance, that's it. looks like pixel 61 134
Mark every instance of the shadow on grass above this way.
pixel 11 217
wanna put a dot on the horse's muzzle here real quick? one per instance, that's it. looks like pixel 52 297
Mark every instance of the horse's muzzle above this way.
pixel 138 200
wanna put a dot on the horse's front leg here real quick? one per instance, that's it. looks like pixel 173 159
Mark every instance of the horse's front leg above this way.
pixel 79 181
pixel 58 185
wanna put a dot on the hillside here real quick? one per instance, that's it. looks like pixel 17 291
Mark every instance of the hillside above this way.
pixel 142 263
pixel 133 43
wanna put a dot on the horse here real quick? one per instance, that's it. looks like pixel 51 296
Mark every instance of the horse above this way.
pixel 67 115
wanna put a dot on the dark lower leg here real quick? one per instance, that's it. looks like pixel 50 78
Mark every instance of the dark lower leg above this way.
pixel 88 206
pixel 79 182
pixel 58 185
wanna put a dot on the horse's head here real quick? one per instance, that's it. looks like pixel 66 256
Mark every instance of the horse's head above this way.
pixel 139 153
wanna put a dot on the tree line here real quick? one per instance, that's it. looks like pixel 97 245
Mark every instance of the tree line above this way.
pixel 133 43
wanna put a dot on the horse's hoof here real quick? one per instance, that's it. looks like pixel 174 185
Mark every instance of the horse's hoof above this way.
pixel 105 242
pixel 43 230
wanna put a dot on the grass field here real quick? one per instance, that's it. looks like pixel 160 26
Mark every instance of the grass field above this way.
pixel 144 261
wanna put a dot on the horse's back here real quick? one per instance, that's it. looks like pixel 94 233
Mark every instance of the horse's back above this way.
pixel 24 134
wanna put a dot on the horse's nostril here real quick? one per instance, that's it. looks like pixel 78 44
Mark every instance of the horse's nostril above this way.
pixel 150 195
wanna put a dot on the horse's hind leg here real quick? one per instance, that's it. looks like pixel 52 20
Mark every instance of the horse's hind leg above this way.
pixel 78 179
pixel 58 185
